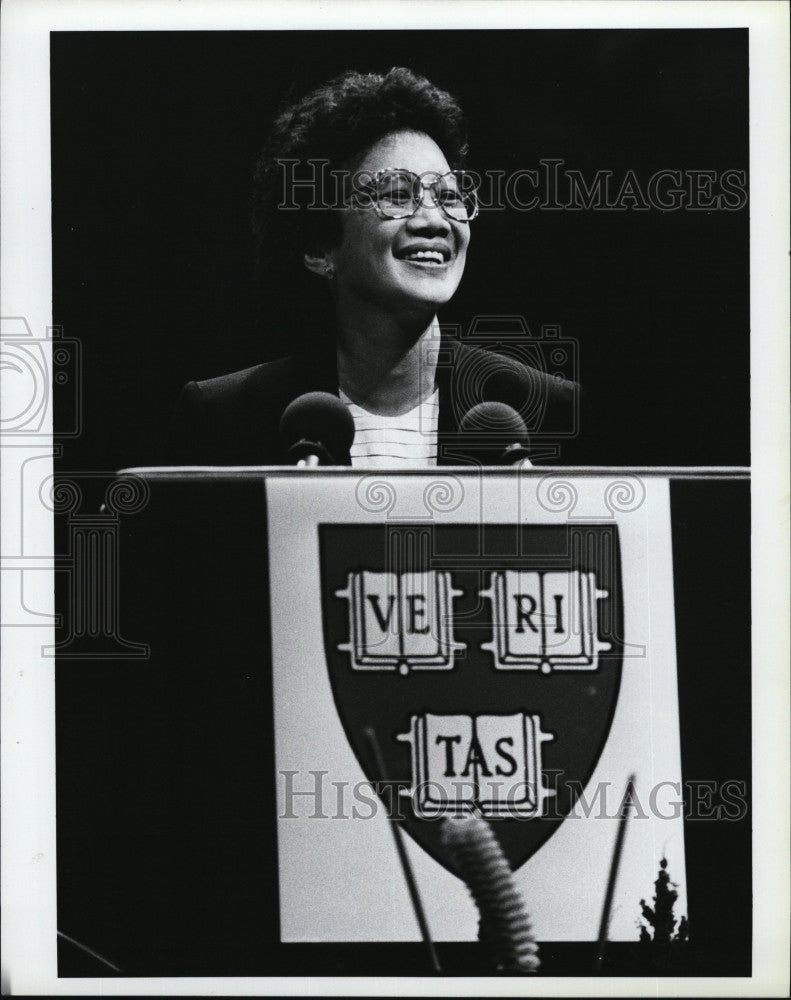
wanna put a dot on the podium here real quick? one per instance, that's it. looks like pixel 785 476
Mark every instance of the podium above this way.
pixel 519 640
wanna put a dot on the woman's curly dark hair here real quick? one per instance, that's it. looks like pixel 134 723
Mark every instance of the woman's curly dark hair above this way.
pixel 338 122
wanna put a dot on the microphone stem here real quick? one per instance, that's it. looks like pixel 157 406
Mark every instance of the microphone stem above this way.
pixel 614 866
pixel 414 893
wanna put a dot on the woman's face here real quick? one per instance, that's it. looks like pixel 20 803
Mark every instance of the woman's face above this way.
pixel 375 261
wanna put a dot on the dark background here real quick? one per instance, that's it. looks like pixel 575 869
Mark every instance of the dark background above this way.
pixel 154 136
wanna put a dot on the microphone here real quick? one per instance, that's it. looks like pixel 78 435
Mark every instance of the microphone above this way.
pixel 504 924
pixel 317 429
pixel 499 433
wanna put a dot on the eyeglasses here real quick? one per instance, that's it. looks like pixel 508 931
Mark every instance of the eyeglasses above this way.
pixel 396 193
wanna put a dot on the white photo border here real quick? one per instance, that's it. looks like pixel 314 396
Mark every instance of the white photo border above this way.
pixel 29 961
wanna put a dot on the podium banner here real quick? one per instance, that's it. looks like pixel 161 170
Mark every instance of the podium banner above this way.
pixel 510 641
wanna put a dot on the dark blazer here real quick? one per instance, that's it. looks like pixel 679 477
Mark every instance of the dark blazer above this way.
pixel 234 419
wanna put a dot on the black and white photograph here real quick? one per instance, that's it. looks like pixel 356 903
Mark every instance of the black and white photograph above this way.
pixel 394 553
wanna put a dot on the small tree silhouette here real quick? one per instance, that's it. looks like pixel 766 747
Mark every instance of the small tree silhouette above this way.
pixel 661 920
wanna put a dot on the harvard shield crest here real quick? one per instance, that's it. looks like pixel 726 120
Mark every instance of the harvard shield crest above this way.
pixel 487 660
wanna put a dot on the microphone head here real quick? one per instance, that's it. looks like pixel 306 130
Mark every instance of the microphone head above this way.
pixel 504 926
pixel 317 423
pixel 497 432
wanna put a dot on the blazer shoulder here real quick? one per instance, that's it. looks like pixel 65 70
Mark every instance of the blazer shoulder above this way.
pixel 248 381
pixel 509 378
pixel 233 419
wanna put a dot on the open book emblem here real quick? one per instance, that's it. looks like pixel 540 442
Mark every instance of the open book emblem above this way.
pixel 545 620
pixel 487 659
pixel 490 764
pixel 400 621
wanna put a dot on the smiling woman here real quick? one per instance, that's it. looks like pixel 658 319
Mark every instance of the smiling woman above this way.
pixel 362 186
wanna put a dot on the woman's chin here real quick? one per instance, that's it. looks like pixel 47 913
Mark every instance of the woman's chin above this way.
pixel 431 290
pixel 425 304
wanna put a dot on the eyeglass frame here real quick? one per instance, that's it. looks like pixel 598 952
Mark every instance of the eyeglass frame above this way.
pixel 377 176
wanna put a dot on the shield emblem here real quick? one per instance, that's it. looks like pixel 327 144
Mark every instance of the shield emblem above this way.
pixel 487 660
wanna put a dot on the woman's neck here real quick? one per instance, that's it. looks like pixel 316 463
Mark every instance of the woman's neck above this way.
pixel 387 366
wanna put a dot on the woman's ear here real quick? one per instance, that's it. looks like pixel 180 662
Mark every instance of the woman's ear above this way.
pixel 319 264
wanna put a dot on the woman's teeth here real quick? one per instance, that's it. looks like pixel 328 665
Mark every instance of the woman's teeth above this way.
pixel 431 256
